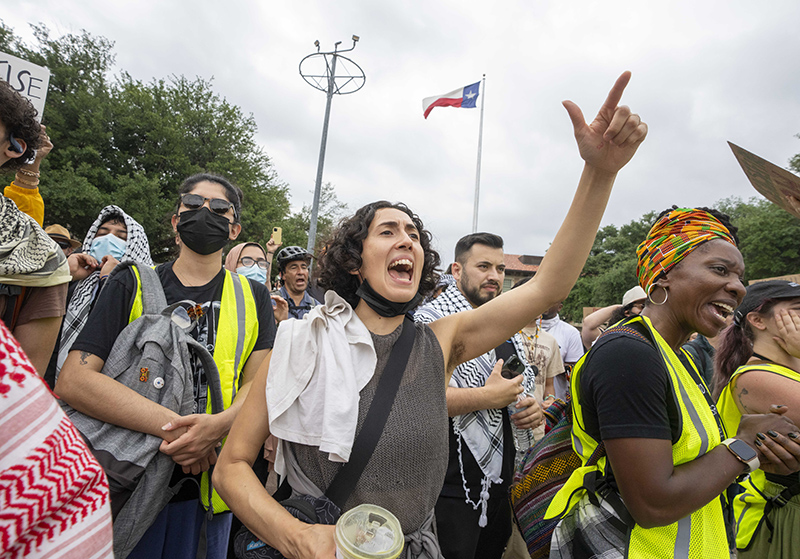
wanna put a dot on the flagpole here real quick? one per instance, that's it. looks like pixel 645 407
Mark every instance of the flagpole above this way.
pixel 478 170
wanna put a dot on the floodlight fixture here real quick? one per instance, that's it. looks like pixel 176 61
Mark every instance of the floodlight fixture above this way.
pixel 319 70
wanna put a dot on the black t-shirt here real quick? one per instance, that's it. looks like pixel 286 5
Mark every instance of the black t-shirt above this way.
pixel 625 391
pixel 112 310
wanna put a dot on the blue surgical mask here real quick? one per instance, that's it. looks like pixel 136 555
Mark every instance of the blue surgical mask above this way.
pixel 253 272
pixel 107 244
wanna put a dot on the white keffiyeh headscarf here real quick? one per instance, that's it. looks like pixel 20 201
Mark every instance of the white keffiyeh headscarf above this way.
pixel 482 430
pixel 137 249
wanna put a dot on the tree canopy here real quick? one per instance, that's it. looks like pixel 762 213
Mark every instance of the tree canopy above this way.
pixel 122 141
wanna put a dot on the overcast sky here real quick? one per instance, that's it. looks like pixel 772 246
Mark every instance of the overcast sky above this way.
pixel 704 73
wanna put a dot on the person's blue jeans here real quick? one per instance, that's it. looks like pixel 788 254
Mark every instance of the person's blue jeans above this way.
pixel 176 532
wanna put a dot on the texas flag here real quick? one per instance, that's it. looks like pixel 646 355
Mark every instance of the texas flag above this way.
pixel 464 97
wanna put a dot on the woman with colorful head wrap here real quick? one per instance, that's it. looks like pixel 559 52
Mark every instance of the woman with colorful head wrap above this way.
pixel 758 365
pixel 640 404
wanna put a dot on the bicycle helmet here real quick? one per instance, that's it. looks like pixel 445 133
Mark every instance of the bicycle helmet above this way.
pixel 290 254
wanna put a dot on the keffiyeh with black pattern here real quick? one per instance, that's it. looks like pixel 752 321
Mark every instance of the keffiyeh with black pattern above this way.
pixel 28 256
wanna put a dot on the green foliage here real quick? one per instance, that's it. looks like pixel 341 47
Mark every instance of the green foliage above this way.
pixel 610 269
pixel 122 141
pixel 769 237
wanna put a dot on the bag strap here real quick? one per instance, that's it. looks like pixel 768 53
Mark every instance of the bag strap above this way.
pixel 18 307
pixel 345 481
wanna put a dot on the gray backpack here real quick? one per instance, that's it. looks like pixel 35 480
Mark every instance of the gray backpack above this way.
pixel 153 357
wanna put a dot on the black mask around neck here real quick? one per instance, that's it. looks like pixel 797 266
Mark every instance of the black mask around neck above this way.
pixel 384 306
pixel 203 231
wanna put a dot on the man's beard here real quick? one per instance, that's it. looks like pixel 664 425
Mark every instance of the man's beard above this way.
pixel 474 295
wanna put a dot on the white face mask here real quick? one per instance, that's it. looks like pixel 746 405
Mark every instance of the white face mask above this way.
pixel 108 244
pixel 253 272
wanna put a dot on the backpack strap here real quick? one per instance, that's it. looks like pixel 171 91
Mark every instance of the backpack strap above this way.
pixel 153 299
pixel 345 481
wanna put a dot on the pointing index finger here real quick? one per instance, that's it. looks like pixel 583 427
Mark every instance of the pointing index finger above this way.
pixel 615 94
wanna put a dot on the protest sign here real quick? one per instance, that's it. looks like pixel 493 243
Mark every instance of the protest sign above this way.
pixel 778 185
pixel 28 79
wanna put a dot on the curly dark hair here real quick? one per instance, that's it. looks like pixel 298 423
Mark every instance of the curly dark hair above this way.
pixel 342 253
pixel 19 118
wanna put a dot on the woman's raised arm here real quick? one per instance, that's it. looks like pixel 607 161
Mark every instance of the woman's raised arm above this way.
pixel 605 145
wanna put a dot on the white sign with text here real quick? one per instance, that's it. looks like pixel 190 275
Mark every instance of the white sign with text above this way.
pixel 28 79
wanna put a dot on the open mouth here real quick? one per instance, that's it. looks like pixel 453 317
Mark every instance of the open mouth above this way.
pixel 401 269
pixel 722 310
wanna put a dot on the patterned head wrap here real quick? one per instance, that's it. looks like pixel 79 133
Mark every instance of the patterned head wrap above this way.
pixel 672 238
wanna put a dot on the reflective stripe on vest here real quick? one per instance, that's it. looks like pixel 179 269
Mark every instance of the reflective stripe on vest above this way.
pixel 236 335
pixel 748 507
pixel 699 535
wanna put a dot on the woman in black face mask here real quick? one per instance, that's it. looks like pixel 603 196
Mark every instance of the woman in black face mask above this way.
pixel 234 321
pixel 318 388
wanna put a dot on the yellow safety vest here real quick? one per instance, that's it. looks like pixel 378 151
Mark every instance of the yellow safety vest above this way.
pixel 748 506
pixel 702 534
pixel 236 336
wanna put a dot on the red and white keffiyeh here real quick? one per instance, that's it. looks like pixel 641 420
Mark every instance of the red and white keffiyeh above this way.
pixel 53 494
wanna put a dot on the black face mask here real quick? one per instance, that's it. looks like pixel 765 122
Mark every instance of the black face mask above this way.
pixel 203 231
pixel 384 306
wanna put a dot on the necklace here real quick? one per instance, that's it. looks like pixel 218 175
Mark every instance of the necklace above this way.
pixel 532 345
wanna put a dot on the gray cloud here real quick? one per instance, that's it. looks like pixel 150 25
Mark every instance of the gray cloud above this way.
pixel 703 73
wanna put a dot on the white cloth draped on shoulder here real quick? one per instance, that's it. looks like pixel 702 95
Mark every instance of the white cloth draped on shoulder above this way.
pixel 318 367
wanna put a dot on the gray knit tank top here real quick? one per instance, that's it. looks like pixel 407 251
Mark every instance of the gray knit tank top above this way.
pixel 406 472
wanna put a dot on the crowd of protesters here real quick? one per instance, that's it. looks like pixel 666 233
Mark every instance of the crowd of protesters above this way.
pixel 695 440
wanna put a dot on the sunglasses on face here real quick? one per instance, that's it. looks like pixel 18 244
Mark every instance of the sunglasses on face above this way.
pixel 63 244
pixel 217 205
pixel 247 262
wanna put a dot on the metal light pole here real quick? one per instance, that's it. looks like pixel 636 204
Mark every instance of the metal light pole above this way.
pixel 350 79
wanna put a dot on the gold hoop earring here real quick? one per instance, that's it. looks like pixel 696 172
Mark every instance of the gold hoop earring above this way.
pixel 650 290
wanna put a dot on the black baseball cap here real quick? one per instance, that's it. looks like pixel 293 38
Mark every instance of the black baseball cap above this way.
pixel 759 292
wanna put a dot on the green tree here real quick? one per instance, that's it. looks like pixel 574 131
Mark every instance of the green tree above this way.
pixel 123 141
pixel 331 210
pixel 769 237
pixel 610 269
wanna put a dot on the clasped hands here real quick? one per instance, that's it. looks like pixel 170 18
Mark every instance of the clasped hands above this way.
pixel 775 438
pixel 192 441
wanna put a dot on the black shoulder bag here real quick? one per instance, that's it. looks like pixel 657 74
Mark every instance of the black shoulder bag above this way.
pixel 328 508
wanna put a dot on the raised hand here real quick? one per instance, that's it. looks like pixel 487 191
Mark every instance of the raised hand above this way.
pixel 788 338
pixel 280 308
pixel 611 139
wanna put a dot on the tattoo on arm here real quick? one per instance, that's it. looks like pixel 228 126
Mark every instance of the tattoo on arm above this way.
pixel 84 355
pixel 743 393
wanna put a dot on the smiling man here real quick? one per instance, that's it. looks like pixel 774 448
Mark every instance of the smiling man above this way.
pixel 293 264
pixel 473 516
